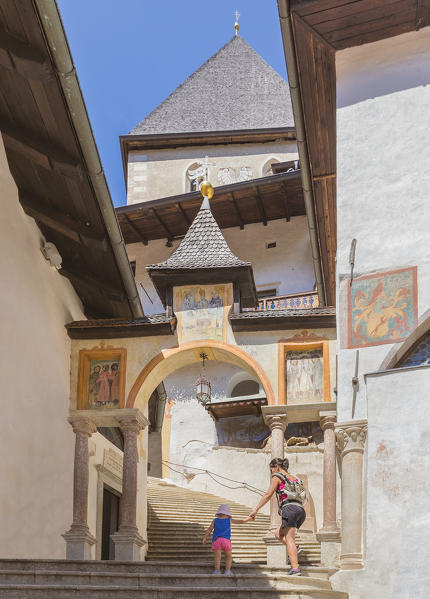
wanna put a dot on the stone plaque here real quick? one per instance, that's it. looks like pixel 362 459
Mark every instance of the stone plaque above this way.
pixel 112 461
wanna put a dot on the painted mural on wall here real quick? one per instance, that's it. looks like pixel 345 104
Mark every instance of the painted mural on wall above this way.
pixel 101 379
pixel 382 307
pixel 202 312
pixel 242 431
pixel 304 376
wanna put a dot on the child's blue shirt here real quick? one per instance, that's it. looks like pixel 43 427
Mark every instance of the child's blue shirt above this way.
pixel 222 528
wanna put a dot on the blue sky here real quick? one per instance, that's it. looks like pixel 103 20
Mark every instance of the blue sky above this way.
pixel 131 54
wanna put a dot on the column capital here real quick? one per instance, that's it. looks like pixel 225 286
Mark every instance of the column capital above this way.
pixel 327 419
pixel 83 425
pixel 132 422
pixel 277 422
pixel 351 436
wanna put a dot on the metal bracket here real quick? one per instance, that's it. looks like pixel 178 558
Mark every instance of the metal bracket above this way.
pixel 352 259
pixel 355 382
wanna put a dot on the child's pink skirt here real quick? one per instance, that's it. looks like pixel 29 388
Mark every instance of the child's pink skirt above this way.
pixel 221 544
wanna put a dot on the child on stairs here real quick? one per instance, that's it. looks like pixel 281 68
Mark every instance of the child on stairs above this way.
pixel 221 529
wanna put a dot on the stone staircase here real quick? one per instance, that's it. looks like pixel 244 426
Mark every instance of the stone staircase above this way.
pixel 178 518
pixel 177 566
pixel 61 579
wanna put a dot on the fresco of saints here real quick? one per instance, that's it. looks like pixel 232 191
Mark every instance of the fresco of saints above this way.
pixel 115 383
pixel 104 389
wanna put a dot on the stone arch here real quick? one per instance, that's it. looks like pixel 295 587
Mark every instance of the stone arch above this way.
pixel 170 360
pixel 397 353
pixel 266 166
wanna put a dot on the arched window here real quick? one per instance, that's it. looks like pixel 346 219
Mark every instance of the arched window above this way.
pixel 418 355
pixel 245 388
pixel 194 176
pixel 267 167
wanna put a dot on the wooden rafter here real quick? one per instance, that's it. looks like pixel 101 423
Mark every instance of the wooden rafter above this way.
pixel 22 57
pixel 286 206
pixel 260 205
pixel 136 230
pixel 163 225
pixel 96 283
pixel 238 214
pixel 44 153
pixel 55 219
pixel 184 214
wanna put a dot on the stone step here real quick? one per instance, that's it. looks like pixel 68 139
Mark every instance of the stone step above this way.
pixel 164 592
pixel 158 567
pixel 136 579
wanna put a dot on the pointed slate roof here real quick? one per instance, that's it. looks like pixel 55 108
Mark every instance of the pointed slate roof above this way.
pixel 235 89
pixel 203 246
pixel 204 257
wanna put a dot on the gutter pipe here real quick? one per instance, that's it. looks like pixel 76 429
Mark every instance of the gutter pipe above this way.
pixel 52 26
pixel 293 82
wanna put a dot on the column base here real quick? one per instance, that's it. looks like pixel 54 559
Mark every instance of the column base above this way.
pixel 276 552
pixel 330 547
pixel 79 544
pixel 351 561
pixel 128 546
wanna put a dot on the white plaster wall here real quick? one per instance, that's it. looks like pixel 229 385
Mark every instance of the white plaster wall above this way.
pixel 37 443
pixel 161 173
pixel 383 136
pixel 194 448
pixel 287 267
pixel 397 518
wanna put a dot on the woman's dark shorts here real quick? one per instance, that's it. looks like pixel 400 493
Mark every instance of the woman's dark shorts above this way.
pixel 292 515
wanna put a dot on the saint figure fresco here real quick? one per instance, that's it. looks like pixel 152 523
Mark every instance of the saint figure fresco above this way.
pixel 104 384
pixel 304 376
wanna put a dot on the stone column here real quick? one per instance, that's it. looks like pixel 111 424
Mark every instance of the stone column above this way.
pixel 276 551
pixel 350 439
pixel 329 534
pixel 78 539
pixel 128 541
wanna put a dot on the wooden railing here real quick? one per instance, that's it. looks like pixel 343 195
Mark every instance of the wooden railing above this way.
pixel 301 301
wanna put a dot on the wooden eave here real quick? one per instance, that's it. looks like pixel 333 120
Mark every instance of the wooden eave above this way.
pixel 235 205
pixel 204 138
pixel 113 328
pixel 277 320
pixel 251 406
pixel 320 28
pixel 47 164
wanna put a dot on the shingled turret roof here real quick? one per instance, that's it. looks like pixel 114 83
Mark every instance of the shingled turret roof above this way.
pixel 203 246
pixel 204 257
pixel 234 90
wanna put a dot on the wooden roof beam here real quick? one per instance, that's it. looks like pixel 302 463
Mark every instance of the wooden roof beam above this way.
pixel 25 59
pixel 184 214
pixel 286 204
pixel 56 220
pixel 169 234
pixel 43 153
pixel 260 205
pixel 99 285
pixel 236 207
pixel 136 230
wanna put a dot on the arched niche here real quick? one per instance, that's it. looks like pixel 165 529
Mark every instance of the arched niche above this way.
pixel 266 169
pixel 170 360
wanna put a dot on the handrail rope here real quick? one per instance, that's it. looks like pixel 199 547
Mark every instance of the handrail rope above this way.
pixel 212 475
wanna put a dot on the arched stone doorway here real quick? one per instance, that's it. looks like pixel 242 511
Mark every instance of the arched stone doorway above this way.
pixel 169 360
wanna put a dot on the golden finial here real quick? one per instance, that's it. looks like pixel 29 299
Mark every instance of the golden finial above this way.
pixel 206 189
pixel 236 24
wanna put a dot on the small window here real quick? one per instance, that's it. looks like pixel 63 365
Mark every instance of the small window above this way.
pixel 194 176
pixel 270 245
pixel 245 388
pixel 266 293
pixel 133 267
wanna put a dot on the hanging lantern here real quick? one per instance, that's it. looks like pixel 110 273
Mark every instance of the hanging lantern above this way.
pixel 203 386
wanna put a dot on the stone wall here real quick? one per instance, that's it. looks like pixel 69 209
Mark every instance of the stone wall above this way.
pixel 397 487
pixel 161 173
